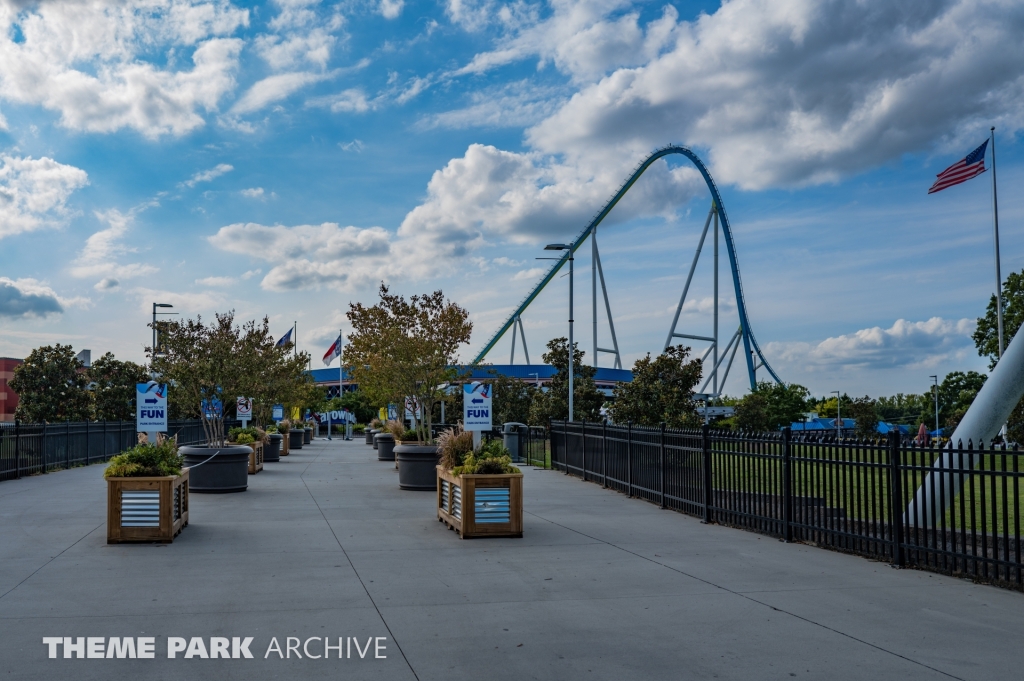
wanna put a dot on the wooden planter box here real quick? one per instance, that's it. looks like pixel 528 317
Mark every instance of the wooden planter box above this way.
pixel 284 445
pixel 146 509
pixel 255 457
pixel 481 505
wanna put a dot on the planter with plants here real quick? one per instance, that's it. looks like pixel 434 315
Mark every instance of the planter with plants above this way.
pixel 479 493
pixel 296 434
pixel 371 430
pixel 147 494
pixel 384 443
pixel 414 459
pixel 272 451
pixel 207 365
pixel 252 438
pixel 284 428
pixel 308 433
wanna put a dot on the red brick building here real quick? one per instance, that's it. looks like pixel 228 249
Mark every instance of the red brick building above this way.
pixel 8 398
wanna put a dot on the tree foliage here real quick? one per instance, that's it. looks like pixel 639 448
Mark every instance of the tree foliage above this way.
pixel 661 391
pixel 52 386
pixel 986 334
pixel 223 361
pixel 113 387
pixel 864 412
pixel 401 348
pixel 554 404
pixel 771 406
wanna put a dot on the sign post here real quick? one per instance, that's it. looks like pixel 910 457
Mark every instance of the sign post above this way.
pixel 476 409
pixel 151 409
pixel 243 408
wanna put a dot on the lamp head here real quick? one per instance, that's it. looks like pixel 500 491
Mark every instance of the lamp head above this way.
pixel 557 247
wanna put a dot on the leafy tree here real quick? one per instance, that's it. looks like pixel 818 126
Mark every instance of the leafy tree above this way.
pixel 554 404
pixel 864 412
pixel 402 349
pixel 357 403
pixel 661 391
pixel 272 374
pixel 752 413
pixel 905 409
pixel 986 334
pixel 51 386
pixel 114 387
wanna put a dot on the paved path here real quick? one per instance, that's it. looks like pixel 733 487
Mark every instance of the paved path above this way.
pixel 600 587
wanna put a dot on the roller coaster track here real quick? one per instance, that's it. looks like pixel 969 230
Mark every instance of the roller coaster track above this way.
pixel 752 350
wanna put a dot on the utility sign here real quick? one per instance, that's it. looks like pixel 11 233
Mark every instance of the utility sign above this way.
pixel 243 407
pixel 476 406
pixel 151 407
pixel 278 412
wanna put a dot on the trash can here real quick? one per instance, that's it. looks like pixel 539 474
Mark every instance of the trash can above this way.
pixel 514 435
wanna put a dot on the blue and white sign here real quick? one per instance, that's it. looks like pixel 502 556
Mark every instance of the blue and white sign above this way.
pixel 476 406
pixel 214 409
pixel 278 412
pixel 151 407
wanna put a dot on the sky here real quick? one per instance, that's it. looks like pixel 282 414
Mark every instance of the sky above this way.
pixel 282 159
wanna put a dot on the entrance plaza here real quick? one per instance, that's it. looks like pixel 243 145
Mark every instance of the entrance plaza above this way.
pixel 324 545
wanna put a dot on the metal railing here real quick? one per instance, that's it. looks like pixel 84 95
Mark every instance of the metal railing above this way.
pixel 847 495
pixel 32 448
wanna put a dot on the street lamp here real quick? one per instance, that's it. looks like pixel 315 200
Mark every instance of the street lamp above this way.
pixel 935 381
pixel 536 379
pixel 839 416
pixel 566 247
pixel 155 313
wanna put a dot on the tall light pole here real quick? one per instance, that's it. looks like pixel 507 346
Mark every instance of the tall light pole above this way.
pixel 935 380
pixel 839 416
pixel 155 313
pixel 566 247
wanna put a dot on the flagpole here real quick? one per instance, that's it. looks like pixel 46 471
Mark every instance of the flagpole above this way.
pixel 995 227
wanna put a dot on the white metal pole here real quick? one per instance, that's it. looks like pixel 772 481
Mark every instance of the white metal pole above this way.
pixel 714 359
pixel 995 230
pixel 593 285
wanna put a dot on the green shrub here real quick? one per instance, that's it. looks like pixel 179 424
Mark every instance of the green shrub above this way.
pixel 359 429
pixel 271 429
pixel 145 460
pixel 491 459
pixel 253 435
pixel 284 426
pixel 244 439
pixel 454 447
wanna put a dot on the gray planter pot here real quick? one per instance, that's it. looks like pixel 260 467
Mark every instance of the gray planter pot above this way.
pixel 307 436
pixel 217 469
pixel 369 433
pixel 272 450
pixel 373 439
pixel 417 466
pixel 295 438
pixel 385 446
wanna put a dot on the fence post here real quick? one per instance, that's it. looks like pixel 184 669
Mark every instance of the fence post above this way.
pixel 17 448
pixel 662 453
pixel 120 436
pixel 67 444
pixel 104 440
pixel 604 453
pixel 565 441
pixel 629 457
pixel 705 446
pixel 787 485
pixel 46 430
pixel 583 473
pixel 896 499
pixel 88 441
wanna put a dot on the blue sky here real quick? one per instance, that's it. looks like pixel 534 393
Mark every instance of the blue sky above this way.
pixel 283 158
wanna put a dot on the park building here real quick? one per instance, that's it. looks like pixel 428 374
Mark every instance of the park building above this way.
pixel 539 374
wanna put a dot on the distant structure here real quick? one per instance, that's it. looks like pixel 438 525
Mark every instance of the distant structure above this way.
pixel 8 398
pixel 721 358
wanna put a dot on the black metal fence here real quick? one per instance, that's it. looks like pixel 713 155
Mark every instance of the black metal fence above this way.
pixel 857 496
pixel 31 448
pixel 536 451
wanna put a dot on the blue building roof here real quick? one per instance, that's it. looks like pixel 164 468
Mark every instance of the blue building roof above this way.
pixel 521 371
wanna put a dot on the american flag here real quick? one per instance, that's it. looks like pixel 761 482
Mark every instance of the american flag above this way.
pixel 961 171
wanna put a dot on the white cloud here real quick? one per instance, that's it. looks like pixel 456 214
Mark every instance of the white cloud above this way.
pixel 507 262
pixel 272 89
pixel 99 256
pixel 34 192
pixel 390 9
pixel 311 256
pixel 355 145
pixel 531 274
pixel 513 105
pixel 107 284
pixel 22 298
pixel 253 193
pixel 351 100
pixel 208 175
pixel 204 302
pixel 215 281
pixel 251 273
pixel 903 345
pixel 87 61
pixel 311 47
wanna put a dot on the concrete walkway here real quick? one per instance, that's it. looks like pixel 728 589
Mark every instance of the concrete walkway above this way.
pixel 324 544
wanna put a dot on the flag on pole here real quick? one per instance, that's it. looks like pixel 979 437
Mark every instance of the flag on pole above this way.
pixel 961 171
pixel 333 351
pixel 285 339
